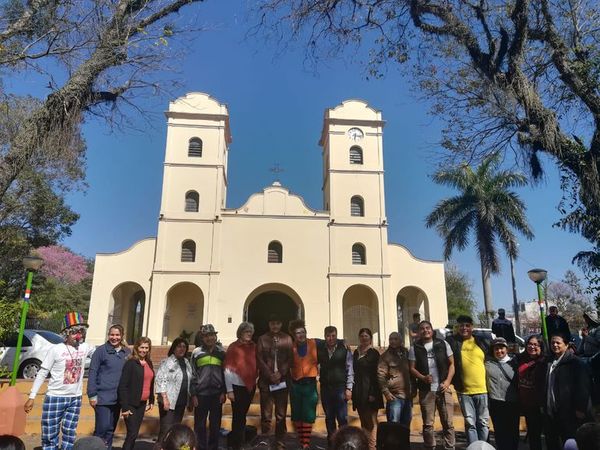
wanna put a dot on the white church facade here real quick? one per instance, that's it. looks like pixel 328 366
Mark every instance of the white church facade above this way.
pixel 214 264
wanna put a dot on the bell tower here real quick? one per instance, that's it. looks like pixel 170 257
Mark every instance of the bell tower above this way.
pixel 353 190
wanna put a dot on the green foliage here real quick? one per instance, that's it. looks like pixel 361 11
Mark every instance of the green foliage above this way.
pixel 570 298
pixel 9 316
pixel 459 293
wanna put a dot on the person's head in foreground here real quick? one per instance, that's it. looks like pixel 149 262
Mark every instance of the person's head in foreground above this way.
pixel 480 445
pixel 179 437
pixel 8 442
pixel 349 438
pixel 89 443
pixel 587 436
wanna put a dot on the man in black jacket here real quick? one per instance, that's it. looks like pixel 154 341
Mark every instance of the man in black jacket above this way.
pixel 469 378
pixel 207 388
pixel 502 327
pixel 336 377
pixel 432 364
pixel 556 324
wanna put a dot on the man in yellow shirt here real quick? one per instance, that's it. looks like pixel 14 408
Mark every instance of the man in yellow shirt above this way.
pixel 469 378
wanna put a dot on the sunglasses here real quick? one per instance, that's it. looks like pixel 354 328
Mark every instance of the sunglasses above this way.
pixel 78 330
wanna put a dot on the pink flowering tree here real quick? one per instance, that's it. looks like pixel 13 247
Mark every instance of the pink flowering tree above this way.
pixel 63 265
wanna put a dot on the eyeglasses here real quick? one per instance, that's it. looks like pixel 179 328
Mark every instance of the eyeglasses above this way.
pixel 73 331
pixel 533 345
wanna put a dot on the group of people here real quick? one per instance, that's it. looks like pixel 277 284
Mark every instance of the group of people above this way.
pixel 551 389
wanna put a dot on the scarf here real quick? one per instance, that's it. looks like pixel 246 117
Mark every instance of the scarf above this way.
pixel 241 359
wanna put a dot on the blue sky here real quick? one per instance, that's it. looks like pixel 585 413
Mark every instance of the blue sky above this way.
pixel 276 108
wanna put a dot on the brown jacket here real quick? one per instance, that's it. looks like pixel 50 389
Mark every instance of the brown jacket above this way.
pixel 393 373
pixel 265 357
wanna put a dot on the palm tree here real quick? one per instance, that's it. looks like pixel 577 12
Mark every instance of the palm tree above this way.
pixel 486 208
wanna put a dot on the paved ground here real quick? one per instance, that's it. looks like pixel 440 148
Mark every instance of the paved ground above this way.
pixel 319 442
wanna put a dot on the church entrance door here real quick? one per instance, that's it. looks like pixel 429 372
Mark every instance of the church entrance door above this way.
pixel 261 306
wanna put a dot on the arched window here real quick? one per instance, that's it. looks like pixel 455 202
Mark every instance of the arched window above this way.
pixel 188 251
pixel 275 253
pixel 357 206
pixel 356 156
pixel 359 255
pixel 192 200
pixel 195 147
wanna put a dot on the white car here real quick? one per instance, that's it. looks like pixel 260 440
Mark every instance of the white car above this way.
pixel 36 344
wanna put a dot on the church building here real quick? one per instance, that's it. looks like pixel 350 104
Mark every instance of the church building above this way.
pixel 212 264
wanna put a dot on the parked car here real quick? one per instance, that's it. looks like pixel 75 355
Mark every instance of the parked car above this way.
pixel 36 344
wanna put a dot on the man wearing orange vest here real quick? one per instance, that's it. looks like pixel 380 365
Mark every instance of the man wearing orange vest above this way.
pixel 303 390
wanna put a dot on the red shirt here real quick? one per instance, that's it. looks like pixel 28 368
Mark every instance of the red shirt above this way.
pixel 148 376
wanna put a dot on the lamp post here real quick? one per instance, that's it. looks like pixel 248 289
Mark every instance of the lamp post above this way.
pixel 31 264
pixel 538 276
pixel 514 292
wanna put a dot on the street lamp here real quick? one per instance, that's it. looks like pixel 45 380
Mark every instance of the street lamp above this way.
pixel 514 292
pixel 538 276
pixel 31 263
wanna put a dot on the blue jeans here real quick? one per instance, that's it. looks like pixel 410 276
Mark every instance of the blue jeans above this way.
pixel 107 417
pixel 475 411
pixel 335 407
pixel 399 411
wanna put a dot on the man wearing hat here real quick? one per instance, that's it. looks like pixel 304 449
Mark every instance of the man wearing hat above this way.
pixel 65 363
pixel 207 388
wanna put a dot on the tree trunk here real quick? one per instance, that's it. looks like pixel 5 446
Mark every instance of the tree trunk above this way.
pixel 487 292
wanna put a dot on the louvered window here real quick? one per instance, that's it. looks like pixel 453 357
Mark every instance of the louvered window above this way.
pixel 356 155
pixel 357 206
pixel 358 254
pixel 195 147
pixel 275 253
pixel 188 251
pixel 192 199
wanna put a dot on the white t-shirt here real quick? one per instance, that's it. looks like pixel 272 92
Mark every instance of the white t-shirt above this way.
pixel 66 365
pixel 433 370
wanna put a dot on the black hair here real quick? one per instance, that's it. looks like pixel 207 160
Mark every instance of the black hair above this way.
pixel 179 436
pixel 9 442
pixel 427 322
pixel 295 324
pixel 349 438
pixel 330 329
pixel 464 319
pixel 365 330
pixel 587 436
pixel 175 344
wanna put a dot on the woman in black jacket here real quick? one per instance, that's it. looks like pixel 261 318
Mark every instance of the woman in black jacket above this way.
pixel 567 394
pixel 366 393
pixel 136 389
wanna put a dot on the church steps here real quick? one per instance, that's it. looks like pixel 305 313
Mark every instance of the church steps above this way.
pixel 151 420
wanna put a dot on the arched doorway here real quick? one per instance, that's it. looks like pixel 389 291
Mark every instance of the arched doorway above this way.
pixel 272 299
pixel 361 310
pixel 184 312
pixel 410 300
pixel 128 304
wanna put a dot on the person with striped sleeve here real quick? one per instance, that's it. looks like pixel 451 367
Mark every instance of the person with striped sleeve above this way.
pixel 65 363
pixel 207 388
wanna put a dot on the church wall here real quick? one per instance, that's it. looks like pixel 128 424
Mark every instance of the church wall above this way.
pixel 180 180
pixel 110 271
pixel 173 233
pixel 244 266
pixel 426 276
